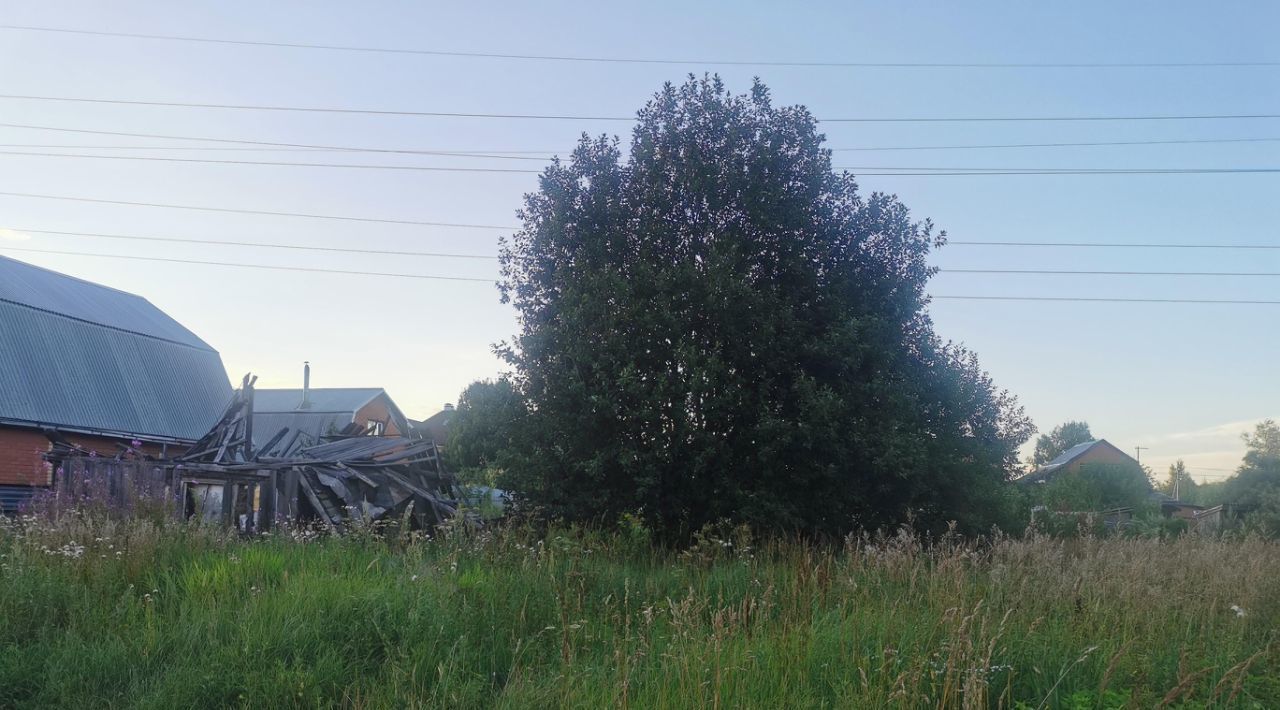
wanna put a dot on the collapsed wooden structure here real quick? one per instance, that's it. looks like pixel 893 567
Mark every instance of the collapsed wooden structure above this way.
pixel 352 477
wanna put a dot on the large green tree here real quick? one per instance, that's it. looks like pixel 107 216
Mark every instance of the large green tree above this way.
pixel 720 327
pixel 1259 474
pixel 1063 437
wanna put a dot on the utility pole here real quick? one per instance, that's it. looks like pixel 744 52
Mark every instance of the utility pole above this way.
pixel 1139 450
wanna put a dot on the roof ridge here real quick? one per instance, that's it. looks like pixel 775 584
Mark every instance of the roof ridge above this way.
pixel 77 278
pixel 206 348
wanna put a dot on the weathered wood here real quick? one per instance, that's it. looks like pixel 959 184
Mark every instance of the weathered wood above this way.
pixel 228 503
pixel 315 502
pixel 269 495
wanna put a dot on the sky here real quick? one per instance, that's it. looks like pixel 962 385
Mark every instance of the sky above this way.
pixel 1182 380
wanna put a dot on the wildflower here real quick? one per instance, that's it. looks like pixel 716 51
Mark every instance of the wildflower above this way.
pixel 1238 610
pixel 137 444
pixel 414 578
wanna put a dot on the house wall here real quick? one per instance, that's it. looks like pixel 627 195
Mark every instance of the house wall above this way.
pixel 20 463
pixel 1102 454
pixel 378 409
pixel 21 450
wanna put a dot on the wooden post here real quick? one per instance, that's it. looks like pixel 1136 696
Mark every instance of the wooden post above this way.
pixel 228 502
pixel 268 496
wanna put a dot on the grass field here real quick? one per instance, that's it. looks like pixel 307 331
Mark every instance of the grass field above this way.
pixel 145 614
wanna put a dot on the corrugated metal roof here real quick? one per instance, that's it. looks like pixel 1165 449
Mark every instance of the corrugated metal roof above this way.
pixel 313 425
pixel 30 285
pixel 323 399
pixel 137 373
pixel 1070 454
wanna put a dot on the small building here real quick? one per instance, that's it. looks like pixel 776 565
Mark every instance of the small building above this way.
pixel 97 368
pixel 436 426
pixel 314 414
pixel 1096 452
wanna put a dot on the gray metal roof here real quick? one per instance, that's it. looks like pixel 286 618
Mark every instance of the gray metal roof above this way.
pixel 323 399
pixel 71 297
pixel 77 355
pixel 313 425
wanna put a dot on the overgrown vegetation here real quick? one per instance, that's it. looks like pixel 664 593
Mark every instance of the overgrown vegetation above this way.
pixel 149 613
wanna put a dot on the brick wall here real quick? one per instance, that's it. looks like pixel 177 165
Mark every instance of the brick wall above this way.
pixel 20 462
pixel 20 450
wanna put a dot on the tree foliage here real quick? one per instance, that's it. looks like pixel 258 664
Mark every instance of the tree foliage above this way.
pixel 1063 437
pixel 722 328
pixel 1179 483
pixel 480 434
pixel 1258 478
pixel 1096 487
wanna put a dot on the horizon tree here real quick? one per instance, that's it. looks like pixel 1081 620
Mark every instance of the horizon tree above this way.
pixel 1062 437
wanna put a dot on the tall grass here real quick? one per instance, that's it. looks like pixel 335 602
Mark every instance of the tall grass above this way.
pixel 97 612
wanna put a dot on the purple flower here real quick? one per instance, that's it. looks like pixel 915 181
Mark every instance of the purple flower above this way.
pixel 136 444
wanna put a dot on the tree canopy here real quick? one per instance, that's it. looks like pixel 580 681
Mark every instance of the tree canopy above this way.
pixel 719 327
pixel 1063 437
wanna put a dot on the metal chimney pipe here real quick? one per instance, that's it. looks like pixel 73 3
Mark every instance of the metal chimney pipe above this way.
pixel 306 385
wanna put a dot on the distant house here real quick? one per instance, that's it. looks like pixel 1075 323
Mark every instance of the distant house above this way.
pixel 436 426
pixel 315 413
pixel 1098 451
pixel 95 367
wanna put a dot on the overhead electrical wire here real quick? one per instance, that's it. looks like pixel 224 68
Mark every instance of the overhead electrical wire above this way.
pixel 351 272
pixel 430 276
pixel 572 117
pixel 881 171
pixel 266 245
pixel 650 60
pixel 446 255
pixel 276 245
pixel 250 266
pixel 1070 272
pixel 950 242
pixel 1085 299
pixel 1109 245
pixel 343 218
pixel 524 154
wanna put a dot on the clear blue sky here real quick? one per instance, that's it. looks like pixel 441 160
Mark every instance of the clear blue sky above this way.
pixel 1183 380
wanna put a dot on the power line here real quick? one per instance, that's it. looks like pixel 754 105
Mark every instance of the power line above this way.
pixel 1112 245
pixel 635 60
pixel 63 146
pixel 1053 272
pixel 523 154
pixel 447 255
pixel 569 117
pixel 301 146
pixel 479 280
pixel 262 212
pixel 882 171
pixel 250 266
pixel 1106 300
pixel 270 245
pixel 273 163
pixel 1058 145
pixel 308 146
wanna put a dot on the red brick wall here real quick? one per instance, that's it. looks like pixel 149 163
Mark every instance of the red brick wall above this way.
pixel 20 462
pixel 20 450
